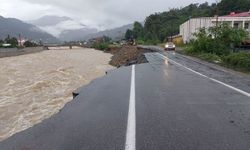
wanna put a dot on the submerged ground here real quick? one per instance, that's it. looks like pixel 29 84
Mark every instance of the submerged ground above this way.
pixel 33 87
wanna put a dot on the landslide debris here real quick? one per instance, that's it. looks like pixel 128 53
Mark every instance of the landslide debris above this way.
pixel 128 55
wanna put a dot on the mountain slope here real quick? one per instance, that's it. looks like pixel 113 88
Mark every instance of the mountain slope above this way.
pixel 68 29
pixel 75 35
pixel 49 20
pixel 115 34
pixel 64 28
pixel 14 27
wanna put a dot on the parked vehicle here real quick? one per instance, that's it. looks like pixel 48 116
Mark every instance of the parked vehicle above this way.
pixel 170 46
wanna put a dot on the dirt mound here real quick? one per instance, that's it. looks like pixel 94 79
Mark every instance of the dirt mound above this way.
pixel 128 55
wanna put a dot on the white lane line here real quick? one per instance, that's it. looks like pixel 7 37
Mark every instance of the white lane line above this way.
pixel 217 81
pixel 131 126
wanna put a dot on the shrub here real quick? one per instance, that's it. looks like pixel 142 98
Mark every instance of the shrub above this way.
pixel 217 40
pixel 101 46
pixel 210 57
pixel 140 42
pixel 29 44
pixel 240 60
pixel 205 56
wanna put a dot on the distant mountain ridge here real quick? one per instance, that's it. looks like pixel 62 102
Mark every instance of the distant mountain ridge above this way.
pixel 64 28
pixel 116 33
pixel 76 35
pixel 67 29
pixel 14 27
pixel 49 20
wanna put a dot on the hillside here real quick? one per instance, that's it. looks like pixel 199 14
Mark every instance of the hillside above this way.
pixel 64 28
pixel 68 29
pixel 14 27
pixel 76 35
pixel 115 34
pixel 49 20
pixel 159 26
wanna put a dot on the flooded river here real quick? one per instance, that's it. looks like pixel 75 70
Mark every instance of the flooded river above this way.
pixel 34 87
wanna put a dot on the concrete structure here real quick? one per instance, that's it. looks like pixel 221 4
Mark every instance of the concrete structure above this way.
pixel 9 52
pixel 240 20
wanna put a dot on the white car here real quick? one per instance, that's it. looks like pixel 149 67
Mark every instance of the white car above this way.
pixel 170 46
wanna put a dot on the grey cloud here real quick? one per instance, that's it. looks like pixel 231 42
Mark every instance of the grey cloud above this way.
pixel 103 13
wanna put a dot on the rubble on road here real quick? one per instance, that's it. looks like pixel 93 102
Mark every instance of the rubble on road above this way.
pixel 128 55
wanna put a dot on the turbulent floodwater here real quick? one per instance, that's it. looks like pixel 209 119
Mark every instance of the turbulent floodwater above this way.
pixel 34 87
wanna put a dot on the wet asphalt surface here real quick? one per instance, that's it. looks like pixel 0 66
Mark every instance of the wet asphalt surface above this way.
pixel 95 120
pixel 175 109
pixel 235 79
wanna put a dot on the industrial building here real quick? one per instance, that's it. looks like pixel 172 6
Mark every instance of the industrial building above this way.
pixel 193 25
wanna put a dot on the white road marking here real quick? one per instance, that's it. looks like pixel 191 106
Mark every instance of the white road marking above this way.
pixel 217 81
pixel 131 126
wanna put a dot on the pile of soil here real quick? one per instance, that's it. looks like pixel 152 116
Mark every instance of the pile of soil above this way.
pixel 128 55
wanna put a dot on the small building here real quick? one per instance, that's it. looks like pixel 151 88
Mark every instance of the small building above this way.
pixel 193 25
pixel 6 45
pixel 21 41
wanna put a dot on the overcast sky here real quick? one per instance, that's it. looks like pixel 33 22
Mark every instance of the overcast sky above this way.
pixel 101 14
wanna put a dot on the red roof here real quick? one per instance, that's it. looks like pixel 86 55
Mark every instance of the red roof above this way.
pixel 233 14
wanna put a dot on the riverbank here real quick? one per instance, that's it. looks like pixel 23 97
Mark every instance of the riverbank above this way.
pixel 10 52
pixel 35 86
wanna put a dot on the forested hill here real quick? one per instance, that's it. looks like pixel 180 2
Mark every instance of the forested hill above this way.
pixel 227 6
pixel 161 25
pixel 158 26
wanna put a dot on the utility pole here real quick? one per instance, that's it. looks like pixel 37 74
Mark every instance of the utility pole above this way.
pixel 171 40
pixel 173 18
pixel 217 13
pixel 189 26
pixel 217 21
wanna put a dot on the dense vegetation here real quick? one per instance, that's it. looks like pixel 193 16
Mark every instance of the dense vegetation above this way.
pixel 239 60
pixel 14 43
pixel 29 44
pixel 227 6
pixel 10 40
pixel 218 44
pixel 102 43
pixel 159 26
pixel 219 40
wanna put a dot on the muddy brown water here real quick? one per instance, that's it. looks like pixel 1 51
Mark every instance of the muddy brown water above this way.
pixel 33 87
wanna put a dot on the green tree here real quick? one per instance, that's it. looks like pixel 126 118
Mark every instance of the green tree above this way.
pixel 219 40
pixel 13 41
pixel 227 6
pixel 106 39
pixel 138 30
pixel 129 35
pixel 159 26
pixel 29 44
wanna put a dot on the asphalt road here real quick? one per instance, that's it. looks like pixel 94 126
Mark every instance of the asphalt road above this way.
pixel 156 106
